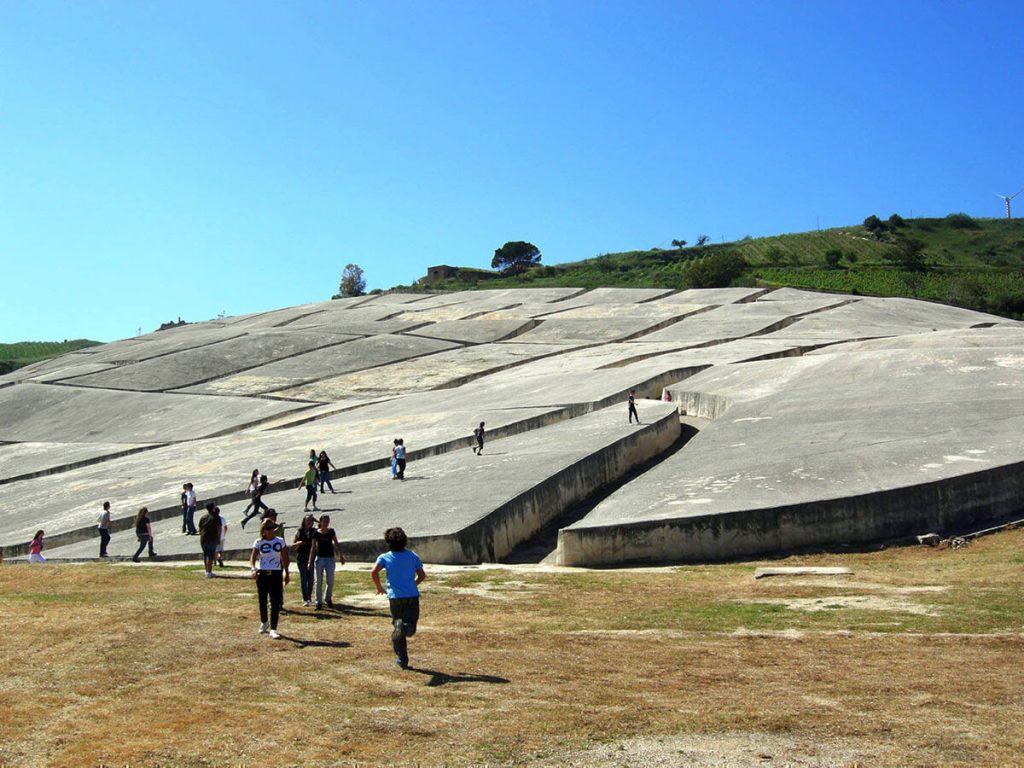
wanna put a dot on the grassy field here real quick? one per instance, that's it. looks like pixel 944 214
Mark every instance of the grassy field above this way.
pixel 913 660
pixel 13 356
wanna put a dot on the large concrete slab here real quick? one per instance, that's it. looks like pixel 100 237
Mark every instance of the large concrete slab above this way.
pixel 734 321
pixel 358 354
pixel 441 370
pixel 213 361
pixel 457 507
pixel 809 451
pixel 357 440
pixel 850 409
pixel 61 414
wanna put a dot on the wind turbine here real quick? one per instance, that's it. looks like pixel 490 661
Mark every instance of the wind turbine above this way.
pixel 1007 199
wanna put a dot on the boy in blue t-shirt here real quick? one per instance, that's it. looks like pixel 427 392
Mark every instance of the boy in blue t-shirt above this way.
pixel 405 572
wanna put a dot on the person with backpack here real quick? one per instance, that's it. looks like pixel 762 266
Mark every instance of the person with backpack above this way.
pixel 479 433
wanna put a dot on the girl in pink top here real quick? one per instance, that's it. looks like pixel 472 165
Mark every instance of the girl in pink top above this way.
pixel 35 549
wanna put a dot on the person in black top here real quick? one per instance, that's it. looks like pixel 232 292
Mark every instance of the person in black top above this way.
pixel 479 433
pixel 323 466
pixel 257 500
pixel 303 545
pixel 632 407
pixel 322 557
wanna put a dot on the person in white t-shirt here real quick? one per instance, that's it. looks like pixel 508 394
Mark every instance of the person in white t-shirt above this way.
pixel 269 559
pixel 223 535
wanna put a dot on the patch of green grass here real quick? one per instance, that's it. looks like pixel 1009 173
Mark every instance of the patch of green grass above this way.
pixel 13 356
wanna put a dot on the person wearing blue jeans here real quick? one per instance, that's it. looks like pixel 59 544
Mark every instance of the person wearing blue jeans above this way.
pixel 404 575
pixel 322 558
pixel 303 543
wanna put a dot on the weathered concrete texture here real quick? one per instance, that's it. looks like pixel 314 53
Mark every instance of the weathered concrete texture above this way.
pixel 474 331
pixel 62 414
pixel 716 296
pixel 557 330
pixel 734 321
pixel 441 370
pixel 618 297
pixel 457 507
pixel 213 361
pixel 355 355
pixel 20 461
pixel 869 318
pixel 824 449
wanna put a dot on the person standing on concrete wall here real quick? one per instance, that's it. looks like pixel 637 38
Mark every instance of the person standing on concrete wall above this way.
pixel 144 533
pixel 209 537
pixel 309 480
pixel 404 575
pixel 268 560
pixel 188 503
pixel 103 526
pixel 632 407
pixel 323 466
pixel 479 434
pixel 322 556
pixel 400 460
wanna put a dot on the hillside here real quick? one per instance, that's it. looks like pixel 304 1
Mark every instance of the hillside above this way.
pixel 14 356
pixel 972 263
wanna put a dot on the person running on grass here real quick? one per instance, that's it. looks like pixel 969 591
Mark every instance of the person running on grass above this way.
pixel 404 575
pixel 269 558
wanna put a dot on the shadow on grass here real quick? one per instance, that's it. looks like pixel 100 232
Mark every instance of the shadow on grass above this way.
pixel 443 678
pixel 299 643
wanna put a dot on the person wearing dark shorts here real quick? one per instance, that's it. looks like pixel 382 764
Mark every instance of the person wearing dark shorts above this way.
pixel 209 537
pixel 479 434
pixel 268 560
pixel 404 575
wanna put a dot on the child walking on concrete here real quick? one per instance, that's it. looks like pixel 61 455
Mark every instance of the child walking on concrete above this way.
pixel 404 575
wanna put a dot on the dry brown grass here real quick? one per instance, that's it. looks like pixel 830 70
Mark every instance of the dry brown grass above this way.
pixel 109 665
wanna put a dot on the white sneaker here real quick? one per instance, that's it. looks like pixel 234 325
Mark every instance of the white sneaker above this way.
pixel 274 635
pixel 306 603
pixel 264 627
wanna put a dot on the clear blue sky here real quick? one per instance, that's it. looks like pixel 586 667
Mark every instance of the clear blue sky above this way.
pixel 165 159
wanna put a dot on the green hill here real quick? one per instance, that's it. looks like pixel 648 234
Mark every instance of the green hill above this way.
pixel 16 355
pixel 974 263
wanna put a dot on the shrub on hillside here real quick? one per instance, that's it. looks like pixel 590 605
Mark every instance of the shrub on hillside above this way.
pixel 961 221
pixel 715 271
